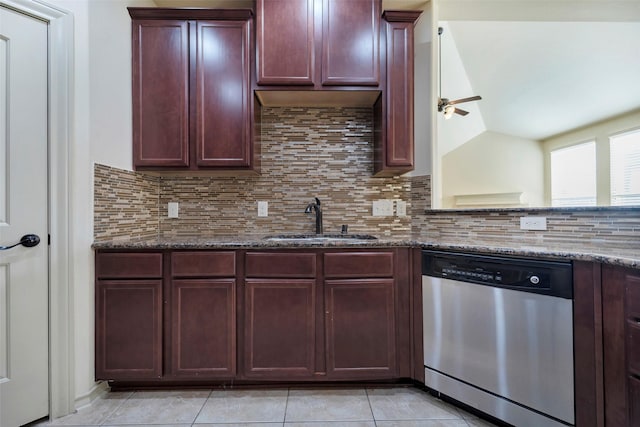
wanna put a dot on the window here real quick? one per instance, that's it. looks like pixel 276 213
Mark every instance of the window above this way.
pixel 573 175
pixel 625 169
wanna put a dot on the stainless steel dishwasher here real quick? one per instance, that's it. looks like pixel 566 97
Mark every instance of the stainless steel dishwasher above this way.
pixel 498 335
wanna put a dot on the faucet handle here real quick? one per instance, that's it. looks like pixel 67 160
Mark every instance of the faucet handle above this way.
pixel 317 201
pixel 345 229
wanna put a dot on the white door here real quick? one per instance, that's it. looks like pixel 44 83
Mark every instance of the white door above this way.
pixel 24 347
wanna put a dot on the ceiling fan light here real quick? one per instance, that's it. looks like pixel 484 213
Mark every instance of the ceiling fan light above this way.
pixel 448 111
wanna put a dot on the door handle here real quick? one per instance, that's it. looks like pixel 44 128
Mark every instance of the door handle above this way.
pixel 28 240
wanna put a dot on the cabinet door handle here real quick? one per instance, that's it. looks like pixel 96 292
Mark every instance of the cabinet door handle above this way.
pixel 28 241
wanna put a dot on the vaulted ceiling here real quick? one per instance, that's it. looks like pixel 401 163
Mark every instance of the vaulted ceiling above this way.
pixel 540 79
pixel 545 67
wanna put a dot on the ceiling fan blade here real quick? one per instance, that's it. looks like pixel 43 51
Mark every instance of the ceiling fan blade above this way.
pixel 461 112
pixel 460 101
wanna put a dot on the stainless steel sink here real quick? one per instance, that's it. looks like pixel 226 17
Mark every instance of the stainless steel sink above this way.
pixel 320 237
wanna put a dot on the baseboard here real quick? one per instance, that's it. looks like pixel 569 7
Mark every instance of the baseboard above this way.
pixel 88 398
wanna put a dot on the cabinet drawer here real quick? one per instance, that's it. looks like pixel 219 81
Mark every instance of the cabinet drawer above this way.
pixel 280 264
pixel 131 265
pixel 633 345
pixel 633 297
pixel 358 264
pixel 203 264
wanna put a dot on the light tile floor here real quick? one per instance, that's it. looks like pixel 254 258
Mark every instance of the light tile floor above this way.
pixel 371 407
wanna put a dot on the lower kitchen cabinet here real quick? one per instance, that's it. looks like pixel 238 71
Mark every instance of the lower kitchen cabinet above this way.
pixel 634 401
pixel 128 329
pixel 280 314
pixel 360 324
pixel 621 342
pixel 279 328
pixel 198 316
pixel 128 315
pixel 607 345
pixel 200 326
pixel 203 328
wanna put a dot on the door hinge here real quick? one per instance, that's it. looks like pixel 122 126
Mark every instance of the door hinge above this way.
pixel 49 239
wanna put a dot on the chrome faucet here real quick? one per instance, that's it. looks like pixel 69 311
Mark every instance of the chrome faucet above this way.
pixel 316 207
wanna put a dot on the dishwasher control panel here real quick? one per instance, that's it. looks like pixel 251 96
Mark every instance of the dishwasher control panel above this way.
pixel 537 276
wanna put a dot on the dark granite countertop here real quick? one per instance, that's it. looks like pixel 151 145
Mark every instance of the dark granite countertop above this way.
pixel 587 251
pixel 243 242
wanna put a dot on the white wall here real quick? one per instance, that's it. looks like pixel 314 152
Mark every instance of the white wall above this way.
pixel 423 97
pixel 494 163
pixel 452 133
pixel 457 130
pixel 101 133
pixel 110 83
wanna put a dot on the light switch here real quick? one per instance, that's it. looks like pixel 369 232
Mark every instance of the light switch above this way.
pixel 263 209
pixel 172 210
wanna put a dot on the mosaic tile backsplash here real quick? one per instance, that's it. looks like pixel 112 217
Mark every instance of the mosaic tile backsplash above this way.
pixel 325 153
pixel 125 204
pixel 611 227
pixel 420 201
pixel 306 153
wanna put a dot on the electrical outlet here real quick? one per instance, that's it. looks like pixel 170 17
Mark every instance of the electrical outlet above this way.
pixel 388 207
pixel 401 208
pixel 263 209
pixel 382 208
pixel 533 223
pixel 172 209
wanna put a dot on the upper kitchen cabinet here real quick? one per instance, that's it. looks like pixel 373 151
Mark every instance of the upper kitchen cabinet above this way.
pixel 192 103
pixel 286 43
pixel 318 43
pixel 160 93
pixel 393 111
pixel 350 42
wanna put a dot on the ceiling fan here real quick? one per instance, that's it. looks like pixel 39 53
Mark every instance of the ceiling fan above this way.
pixel 444 104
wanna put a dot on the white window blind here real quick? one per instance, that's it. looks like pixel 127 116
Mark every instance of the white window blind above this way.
pixel 573 175
pixel 625 169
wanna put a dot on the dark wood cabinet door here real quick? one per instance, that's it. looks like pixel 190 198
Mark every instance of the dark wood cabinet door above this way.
pixel 399 149
pixel 360 329
pixel 128 329
pixel 587 343
pixel 223 95
pixel 393 112
pixel 634 402
pixel 203 328
pixel 285 42
pixel 632 313
pixel 279 328
pixel 620 309
pixel 350 42
pixel 160 93
pixel 613 322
